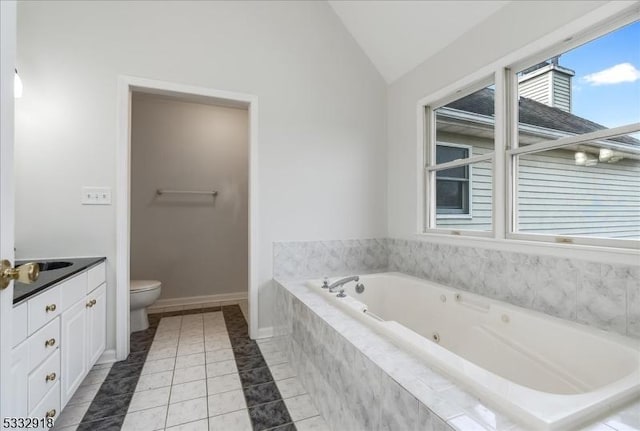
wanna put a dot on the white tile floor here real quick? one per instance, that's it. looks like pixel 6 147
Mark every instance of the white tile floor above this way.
pixel 190 381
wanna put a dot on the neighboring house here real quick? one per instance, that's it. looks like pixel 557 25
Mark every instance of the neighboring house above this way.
pixel 585 190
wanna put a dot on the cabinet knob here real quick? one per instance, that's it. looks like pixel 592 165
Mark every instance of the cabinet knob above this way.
pixel 50 377
pixel 51 413
pixel 91 303
pixel 50 342
pixel 50 307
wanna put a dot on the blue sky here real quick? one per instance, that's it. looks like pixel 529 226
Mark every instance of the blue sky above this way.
pixel 603 90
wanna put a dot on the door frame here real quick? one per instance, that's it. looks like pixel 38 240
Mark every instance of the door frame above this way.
pixel 8 26
pixel 126 85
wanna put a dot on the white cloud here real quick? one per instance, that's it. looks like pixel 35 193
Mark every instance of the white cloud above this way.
pixel 623 72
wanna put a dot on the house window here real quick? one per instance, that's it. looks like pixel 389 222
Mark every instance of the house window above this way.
pixel 452 185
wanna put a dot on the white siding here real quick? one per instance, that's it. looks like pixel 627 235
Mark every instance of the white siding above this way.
pixel 562 91
pixel 558 197
pixel 536 88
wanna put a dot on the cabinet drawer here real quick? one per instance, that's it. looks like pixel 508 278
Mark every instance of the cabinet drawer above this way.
pixel 97 276
pixel 43 378
pixel 73 290
pixel 43 343
pixel 49 406
pixel 20 322
pixel 43 308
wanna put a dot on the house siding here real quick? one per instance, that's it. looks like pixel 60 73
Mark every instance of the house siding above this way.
pixel 557 197
pixel 561 91
pixel 536 88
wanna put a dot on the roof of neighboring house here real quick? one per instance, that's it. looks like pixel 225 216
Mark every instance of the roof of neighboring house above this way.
pixel 535 114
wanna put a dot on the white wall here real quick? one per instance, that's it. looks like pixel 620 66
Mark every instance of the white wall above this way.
pixel 322 119
pixel 512 27
pixel 194 244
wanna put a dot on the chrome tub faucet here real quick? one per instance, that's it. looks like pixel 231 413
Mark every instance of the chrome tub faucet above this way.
pixel 339 284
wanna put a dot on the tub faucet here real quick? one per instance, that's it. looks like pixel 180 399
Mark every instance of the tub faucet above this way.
pixel 340 283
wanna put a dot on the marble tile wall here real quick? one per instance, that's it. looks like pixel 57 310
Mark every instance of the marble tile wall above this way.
pixel 350 391
pixel 602 295
pixel 310 259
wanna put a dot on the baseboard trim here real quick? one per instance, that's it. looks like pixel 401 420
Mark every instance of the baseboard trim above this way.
pixel 265 332
pixel 191 302
pixel 107 357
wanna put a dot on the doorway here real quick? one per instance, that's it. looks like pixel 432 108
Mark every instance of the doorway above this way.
pixel 156 192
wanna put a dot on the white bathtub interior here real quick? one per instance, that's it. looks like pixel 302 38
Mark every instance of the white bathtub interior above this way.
pixel 547 371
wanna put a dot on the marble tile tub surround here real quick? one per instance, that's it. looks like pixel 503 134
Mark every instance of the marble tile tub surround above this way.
pixel 359 380
pixel 309 259
pixel 601 295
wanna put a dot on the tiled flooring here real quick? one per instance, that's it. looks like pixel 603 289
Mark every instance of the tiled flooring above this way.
pixel 194 370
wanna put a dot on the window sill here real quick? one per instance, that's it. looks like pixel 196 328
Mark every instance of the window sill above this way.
pixel 596 253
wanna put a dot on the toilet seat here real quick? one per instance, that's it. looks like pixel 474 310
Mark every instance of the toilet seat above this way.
pixel 143 285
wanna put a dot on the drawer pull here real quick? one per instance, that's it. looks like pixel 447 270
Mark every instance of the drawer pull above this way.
pixel 50 377
pixel 91 303
pixel 51 413
pixel 50 307
pixel 50 342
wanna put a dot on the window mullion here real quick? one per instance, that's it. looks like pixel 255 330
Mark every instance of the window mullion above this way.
pixel 502 118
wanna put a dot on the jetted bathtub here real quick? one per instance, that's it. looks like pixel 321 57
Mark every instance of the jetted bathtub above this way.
pixel 547 373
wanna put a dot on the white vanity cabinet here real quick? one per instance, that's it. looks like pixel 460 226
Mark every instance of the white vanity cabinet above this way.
pixel 64 337
pixel 74 355
pixel 96 314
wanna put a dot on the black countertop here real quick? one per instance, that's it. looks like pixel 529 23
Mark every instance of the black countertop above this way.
pixel 22 292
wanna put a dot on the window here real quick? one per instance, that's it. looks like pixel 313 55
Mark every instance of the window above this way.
pixel 568 155
pixel 576 163
pixel 452 185
pixel 461 146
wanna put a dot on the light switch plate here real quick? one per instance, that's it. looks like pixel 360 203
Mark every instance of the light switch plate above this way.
pixel 96 196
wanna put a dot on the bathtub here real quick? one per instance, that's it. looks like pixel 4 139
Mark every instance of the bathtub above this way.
pixel 546 373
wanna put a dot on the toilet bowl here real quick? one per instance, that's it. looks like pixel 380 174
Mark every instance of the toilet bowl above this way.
pixel 142 294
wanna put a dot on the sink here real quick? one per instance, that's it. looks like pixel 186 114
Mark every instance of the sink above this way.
pixel 50 265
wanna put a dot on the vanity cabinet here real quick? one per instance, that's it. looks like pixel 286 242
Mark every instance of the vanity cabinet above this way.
pixel 64 337
pixel 74 355
pixel 96 324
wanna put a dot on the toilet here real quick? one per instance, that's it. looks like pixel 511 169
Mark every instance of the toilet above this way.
pixel 142 293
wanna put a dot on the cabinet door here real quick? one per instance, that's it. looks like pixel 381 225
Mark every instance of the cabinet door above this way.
pixel 96 324
pixel 19 378
pixel 74 351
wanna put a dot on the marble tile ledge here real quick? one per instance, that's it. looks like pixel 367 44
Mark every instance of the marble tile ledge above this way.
pixel 456 407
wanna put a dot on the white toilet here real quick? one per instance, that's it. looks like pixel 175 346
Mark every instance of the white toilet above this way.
pixel 143 293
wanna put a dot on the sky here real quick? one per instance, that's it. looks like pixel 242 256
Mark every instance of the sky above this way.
pixel 606 86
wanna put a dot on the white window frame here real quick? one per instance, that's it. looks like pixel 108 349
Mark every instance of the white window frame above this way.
pixel 504 217
pixel 459 216
pixel 429 167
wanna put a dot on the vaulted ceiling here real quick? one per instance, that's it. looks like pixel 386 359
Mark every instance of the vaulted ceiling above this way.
pixel 399 35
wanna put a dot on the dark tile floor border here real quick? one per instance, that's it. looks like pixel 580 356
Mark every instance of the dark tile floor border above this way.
pixel 110 404
pixel 267 409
